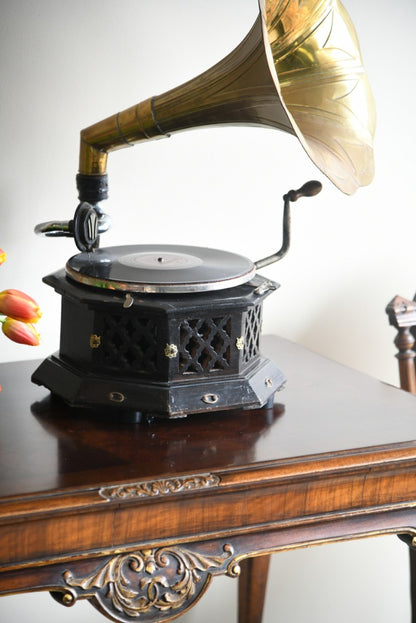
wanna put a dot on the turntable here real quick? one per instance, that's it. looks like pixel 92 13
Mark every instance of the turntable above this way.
pixel 165 330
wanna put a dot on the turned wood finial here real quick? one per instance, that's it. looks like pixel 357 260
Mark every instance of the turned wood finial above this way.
pixel 402 315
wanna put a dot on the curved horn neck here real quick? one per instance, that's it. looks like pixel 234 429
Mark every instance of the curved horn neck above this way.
pixel 238 90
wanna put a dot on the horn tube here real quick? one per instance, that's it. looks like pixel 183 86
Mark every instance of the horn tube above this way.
pixel 299 70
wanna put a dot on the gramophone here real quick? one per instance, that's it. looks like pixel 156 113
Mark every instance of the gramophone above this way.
pixel 167 330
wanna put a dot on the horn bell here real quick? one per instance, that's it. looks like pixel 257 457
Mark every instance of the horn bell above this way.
pixel 299 70
pixel 315 57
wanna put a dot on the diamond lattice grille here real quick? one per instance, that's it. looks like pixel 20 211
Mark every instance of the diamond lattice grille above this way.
pixel 205 345
pixel 129 343
pixel 252 333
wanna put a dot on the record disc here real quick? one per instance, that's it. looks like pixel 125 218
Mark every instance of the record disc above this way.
pixel 160 268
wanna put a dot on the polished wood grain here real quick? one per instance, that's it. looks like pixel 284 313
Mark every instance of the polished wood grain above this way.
pixel 86 499
pixel 252 589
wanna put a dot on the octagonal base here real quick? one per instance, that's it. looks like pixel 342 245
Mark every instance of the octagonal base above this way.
pixel 170 399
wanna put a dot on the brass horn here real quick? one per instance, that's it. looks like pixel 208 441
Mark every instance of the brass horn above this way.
pixel 299 70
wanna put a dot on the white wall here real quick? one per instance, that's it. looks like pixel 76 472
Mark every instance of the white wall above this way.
pixel 65 65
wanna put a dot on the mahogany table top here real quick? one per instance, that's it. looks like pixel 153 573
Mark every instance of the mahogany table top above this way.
pixel 325 408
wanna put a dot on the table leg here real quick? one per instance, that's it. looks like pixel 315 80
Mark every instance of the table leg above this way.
pixel 413 582
pixel 410 540
pixel 252 589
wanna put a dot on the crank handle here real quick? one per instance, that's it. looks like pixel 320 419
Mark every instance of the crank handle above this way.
pixel 307 190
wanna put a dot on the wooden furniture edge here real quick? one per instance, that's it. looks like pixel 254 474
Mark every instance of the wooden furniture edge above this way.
pixel 110 580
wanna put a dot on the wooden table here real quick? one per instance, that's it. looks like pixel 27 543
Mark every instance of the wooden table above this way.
pixel 139 518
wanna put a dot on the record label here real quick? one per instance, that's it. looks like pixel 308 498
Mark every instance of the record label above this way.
pixel 165 260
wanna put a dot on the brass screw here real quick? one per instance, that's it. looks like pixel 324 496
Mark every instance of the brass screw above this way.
pixel 95 341
pixel 67 599
pixel 171 350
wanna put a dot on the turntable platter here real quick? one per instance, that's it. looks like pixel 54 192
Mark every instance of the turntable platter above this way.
pixel 160 268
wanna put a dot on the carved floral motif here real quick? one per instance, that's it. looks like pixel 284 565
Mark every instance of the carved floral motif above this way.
pixel 159 581
pixel 152 488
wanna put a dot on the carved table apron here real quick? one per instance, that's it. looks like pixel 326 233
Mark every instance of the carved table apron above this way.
pixel 139 518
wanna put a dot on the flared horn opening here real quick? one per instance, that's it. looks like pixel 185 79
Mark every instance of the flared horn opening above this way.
pixel 315 60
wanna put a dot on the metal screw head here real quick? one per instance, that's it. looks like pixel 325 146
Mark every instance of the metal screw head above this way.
pixel 67 599
pixel 95 341
pixel 171 351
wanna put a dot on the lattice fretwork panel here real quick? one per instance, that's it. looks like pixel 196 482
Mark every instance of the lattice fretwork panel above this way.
pixel 130 343
pixel 205 345
pixel 252 333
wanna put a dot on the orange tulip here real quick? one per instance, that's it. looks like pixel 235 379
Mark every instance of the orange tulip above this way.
pixel 2 256
pixel 19 305
pixel 20 332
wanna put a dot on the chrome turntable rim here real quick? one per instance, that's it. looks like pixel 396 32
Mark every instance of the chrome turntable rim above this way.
pixel 157 268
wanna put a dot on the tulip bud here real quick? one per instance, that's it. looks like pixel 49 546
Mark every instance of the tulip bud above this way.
pixel 20 332
pixel 2 256
pixel 19 305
